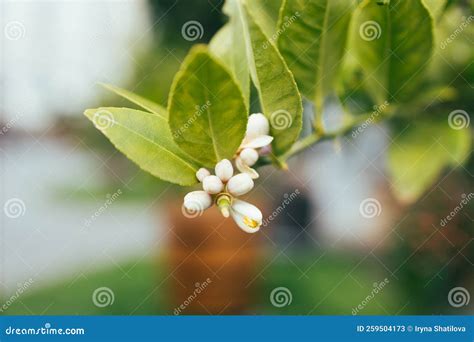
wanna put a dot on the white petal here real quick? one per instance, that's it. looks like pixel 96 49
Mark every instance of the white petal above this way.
pixel 240 184
pixel 246 169
pixel 202 173
pixel 197 201
pixel 258 142
pixel 249 156
pixel 224 170
pixel 212 184
pixel 247 216
pixel 257 125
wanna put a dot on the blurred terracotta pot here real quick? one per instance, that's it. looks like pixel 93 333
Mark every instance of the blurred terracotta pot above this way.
pixel 212 264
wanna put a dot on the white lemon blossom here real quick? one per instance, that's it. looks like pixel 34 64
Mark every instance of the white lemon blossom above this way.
pixel 247 216
pixel 256 137
pixel 223 189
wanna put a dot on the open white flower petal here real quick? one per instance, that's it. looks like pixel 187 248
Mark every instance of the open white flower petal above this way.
pixel 258 142
pixel 242 167
pixel 247 216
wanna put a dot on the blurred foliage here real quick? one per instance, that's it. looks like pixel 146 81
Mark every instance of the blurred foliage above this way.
pixel 333 285
pixel 169 17
pixel 431 258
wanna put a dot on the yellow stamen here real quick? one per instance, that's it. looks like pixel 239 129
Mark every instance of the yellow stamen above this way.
pixel 250 222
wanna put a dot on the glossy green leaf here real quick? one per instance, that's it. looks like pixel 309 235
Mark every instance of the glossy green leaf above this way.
pixel 279 96
pixel 393 44
pixel 207 113
pixel 145 139
pixel 419 153
pixel 312 41
pixel 146 104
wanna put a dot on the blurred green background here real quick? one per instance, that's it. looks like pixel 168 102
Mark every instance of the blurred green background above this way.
pixel 325 270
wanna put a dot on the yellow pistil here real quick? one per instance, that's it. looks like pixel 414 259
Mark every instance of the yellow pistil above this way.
pixel 250 222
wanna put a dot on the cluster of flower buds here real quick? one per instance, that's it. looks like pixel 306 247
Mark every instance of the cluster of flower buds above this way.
pixel 257 139
pixel 223 188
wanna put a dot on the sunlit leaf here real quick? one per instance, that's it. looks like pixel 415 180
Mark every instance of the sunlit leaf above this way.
pixel 207 113
pixel 145 139
pixel 435 7
pixel 279 96
pixel 229 46
pixel 312 41
pixel 146 104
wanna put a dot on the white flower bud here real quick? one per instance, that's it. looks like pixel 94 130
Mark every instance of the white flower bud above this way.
pixel 212 184
pixel 202 173
pixel 257 125
pixel 224 170
pixel 247 216
pixel 197 201
pixel 240 184
pixel 249 156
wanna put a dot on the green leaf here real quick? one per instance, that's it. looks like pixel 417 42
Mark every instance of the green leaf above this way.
pixel 229 47
pixel 420 152
pixel 435 7
pixel 207 113
pixel 145 139
pixel 146 104
pixel 266 12
pixel 279 96
pixel 312 41
pixel 393 45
